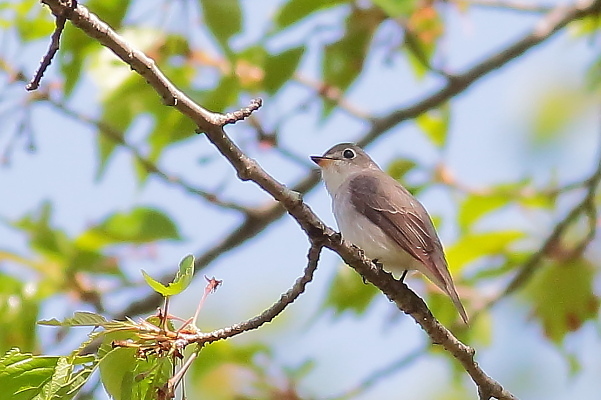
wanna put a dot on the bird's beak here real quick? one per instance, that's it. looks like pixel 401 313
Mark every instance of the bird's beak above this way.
pixel 321 161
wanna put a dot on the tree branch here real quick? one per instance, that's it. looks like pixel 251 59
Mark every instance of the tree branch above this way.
pixel 54 46
pixel 268 315
pixel 248 169
pixel 253 225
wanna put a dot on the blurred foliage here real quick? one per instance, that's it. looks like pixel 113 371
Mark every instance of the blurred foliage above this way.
pixel 218 63
pixel 571 302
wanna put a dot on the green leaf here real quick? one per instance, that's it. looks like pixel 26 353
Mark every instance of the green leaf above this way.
pixel 217 371
pixel 19 307
pixel 400 167
pixel 280 67
pixel 554 111
pixel 435 124
pixel 116 372
pixel 111 11
pixel 80 318
pixel 471 247
pixel 180 282
pixel 127 96
pixel 296 10
pixel 170 126
pixel 224 19
pixel 32 21
pixel 22 375
pixel 43 237
pixel 127 377
pixel 348 292
pixel 65 383
pixel 141 225
pixel 223 95
pixel 396 8
pixel 563 297
pixel 343 60
pixel 475 207
pixel 75 48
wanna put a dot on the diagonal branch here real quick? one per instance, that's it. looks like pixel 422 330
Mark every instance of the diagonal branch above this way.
pixel 247 169
pixel 253 225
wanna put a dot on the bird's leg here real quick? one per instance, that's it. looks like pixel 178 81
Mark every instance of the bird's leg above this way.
pixel 404 275
pixel 377 263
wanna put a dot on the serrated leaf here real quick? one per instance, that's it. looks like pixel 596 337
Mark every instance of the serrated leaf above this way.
pixel 224 19
pixel 180 282
pixel 280 67
pixel 80 318
pixel 562 297
pixel 115 367
pixel 22 375
pixel 348 292
pixel 296 10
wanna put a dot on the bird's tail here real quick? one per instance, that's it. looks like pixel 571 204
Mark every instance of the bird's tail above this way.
pixel 452 293
pixel 440 275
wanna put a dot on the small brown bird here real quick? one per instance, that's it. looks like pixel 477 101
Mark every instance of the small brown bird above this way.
pixel 376 213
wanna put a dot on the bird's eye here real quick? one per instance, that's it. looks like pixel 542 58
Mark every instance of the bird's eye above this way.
pixel 348 153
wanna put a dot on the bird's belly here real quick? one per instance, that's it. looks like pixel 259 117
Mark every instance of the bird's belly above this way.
pixel 360 231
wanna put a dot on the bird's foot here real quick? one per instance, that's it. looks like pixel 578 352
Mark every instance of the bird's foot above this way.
pixel 337 237
pixel 377 263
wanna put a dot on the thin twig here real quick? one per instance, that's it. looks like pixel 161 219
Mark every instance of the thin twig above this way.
pixel 53 48
pixel 253 225
pixel 333 94
pixel 268 315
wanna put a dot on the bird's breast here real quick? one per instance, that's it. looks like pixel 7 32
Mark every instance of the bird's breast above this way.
pixel 360 231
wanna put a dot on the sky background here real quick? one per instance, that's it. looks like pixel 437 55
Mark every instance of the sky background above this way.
pixel 489 143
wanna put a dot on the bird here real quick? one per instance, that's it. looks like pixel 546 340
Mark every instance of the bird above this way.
pixel 377 214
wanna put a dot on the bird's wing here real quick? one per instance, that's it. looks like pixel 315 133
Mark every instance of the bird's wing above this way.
pixel 404 220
